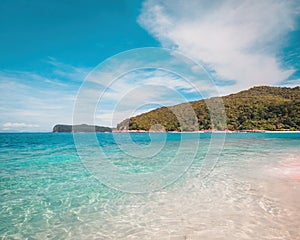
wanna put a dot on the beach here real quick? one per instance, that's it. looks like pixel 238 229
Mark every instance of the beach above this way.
pixel 251 192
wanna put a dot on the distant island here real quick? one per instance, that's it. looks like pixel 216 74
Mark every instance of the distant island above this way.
pixel 80 128
pixel 259 108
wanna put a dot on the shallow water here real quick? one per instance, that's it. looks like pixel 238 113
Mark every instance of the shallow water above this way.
pixel 47 192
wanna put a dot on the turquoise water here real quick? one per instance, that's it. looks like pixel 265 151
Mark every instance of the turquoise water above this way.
pixel 48 190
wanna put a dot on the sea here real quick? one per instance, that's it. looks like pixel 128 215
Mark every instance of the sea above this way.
pixel 150 186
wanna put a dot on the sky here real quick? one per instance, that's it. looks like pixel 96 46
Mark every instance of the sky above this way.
pixel 51 50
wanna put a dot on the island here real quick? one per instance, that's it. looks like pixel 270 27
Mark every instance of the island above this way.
pixel 80 128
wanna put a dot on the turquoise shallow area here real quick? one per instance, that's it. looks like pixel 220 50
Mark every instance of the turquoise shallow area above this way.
pixel 46 191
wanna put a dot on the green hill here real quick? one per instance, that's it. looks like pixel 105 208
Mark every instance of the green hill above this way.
pixel 264 108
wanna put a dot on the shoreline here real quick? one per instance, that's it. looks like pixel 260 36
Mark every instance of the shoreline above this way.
pixel 143 131
pixel 205 131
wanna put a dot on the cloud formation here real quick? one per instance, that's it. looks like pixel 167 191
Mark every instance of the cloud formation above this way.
pixel 236 40
pixel 17 126
pixel 35 102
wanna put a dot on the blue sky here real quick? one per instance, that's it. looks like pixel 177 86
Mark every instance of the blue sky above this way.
pixel 48 48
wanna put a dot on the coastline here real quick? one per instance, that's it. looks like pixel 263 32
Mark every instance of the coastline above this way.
pixel 254 181
pixel 206 131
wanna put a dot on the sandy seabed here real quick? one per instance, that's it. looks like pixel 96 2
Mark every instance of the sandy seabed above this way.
pixel 251 199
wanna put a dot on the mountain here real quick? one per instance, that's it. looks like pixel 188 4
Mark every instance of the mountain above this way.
pixel 259 108
pixel 80 128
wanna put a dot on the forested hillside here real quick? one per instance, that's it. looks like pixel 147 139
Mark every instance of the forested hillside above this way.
pixel 264 108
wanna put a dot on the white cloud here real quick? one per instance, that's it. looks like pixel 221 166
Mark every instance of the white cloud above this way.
pixel 236 39
pixel 67 71
pixel 18 126
pixel 27 96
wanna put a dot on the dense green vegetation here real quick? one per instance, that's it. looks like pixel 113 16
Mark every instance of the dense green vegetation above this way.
pixel 263 108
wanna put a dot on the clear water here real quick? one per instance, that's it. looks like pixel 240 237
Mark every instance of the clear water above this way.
pixel 46 191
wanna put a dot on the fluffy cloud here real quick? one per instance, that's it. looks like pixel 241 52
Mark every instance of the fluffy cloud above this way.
pixel 18 126
pixel 44 99
pixel 237 40
pixel 9 125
